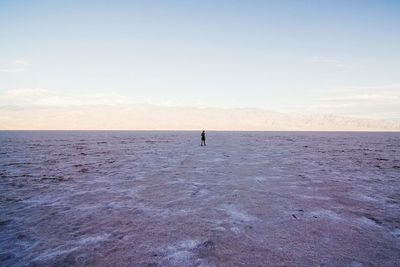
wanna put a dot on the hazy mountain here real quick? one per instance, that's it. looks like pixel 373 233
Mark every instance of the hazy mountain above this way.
pixel 152 117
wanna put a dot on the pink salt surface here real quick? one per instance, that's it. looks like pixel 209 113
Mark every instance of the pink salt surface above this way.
pixel 159 199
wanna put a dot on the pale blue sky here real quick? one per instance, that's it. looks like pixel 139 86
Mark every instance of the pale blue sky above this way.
pixel 340 57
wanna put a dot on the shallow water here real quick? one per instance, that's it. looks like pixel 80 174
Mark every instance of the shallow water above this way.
pixel 159 199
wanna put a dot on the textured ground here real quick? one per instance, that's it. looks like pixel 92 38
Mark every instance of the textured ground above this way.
pixel 159 199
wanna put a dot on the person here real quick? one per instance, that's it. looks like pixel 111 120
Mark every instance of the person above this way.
pixel 203 138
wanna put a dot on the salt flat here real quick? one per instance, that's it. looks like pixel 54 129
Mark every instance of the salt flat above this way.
pixel 159 199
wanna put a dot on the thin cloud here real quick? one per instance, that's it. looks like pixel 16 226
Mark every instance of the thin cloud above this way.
pixel 363 97
pixel 22 62
pixel 327 61
pixel 11 70
pixel 44 97
pixel 379 102
pixel 372 101
pixel 394 88
pixel 27 92
pixel 17 65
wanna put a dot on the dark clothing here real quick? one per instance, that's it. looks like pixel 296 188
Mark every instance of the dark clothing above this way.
pixel 203 138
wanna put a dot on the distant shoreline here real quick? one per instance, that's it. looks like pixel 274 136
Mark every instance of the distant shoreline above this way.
pixel 222 131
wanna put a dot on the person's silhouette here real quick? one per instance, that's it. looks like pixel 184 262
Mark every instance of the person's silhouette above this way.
pixel 203 138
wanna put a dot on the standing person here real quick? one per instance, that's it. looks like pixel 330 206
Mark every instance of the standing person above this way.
pixel 203 138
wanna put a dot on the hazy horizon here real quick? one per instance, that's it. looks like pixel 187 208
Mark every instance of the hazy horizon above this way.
pixel 157 117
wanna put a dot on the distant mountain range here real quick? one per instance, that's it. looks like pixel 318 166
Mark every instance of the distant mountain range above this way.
pixel 153 117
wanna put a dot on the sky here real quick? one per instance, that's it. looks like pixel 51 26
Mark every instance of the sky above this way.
pixel 312 57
